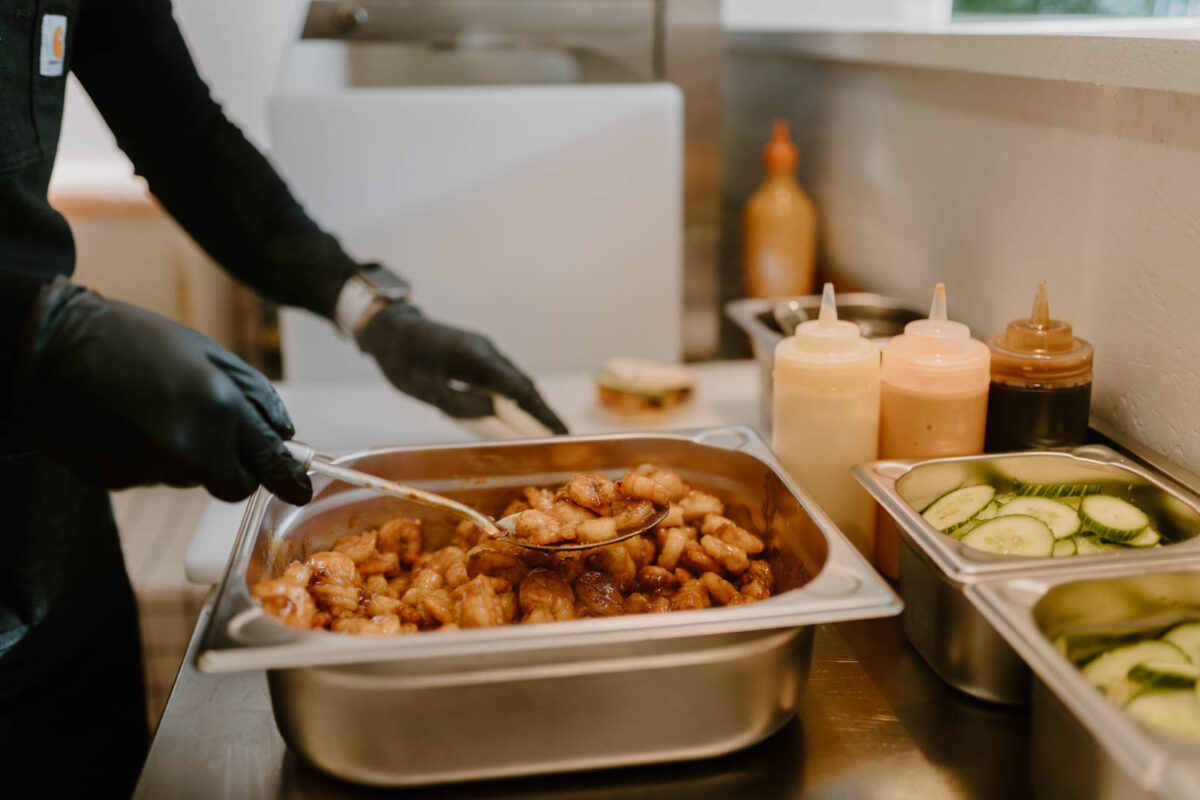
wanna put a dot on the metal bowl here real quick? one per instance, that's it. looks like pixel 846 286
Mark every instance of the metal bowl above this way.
pixel 935 568
pixel 526 699
pixel 878 318
pixel 1082 746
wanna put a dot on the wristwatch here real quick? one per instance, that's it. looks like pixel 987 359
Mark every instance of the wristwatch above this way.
pixel 362 289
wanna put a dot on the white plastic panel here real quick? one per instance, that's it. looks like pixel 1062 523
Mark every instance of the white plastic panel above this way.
pixel 548 217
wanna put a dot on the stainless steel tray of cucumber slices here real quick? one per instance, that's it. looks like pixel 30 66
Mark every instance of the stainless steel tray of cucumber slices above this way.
pixel 935 568
pixel 1082 745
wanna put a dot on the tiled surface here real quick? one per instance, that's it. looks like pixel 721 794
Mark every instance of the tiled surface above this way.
pixel 156 525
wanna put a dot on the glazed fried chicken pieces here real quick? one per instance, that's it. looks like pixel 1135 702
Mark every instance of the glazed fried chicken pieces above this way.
pixel 589 509
pixel 384 582
pixel 594 492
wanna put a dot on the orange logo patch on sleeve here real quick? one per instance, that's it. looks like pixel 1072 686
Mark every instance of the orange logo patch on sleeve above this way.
pixel 54 45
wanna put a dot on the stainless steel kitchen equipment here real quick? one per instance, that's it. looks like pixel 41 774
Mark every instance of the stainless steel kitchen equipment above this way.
pixel 875 718
pixel 512 48
pixel 306 454
pixel 935 568
pixel 425 117
pixel 1082 746
pixel 878 317
pixel 584 41
pixel 481 42
pixel 789 315
pixel 503 528
pixel 589 693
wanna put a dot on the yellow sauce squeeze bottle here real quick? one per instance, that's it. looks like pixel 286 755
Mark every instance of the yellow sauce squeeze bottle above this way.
pixel 934 382
pixel 826 416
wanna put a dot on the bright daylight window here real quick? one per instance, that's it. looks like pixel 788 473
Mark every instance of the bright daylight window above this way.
pixel 1111 8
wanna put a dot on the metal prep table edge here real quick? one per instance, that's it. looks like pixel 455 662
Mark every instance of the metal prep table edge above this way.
pixel 876 723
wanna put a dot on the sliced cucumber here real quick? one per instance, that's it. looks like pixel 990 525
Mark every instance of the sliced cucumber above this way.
pixel 923 485
pixel 1122 690
pixel 1062 520
pixel 1015 536
pixel 1112 518
pixel 1187 638
pixel 1073 502
pixel 1177 712
pixel 958 533
pixel 1057 489
pixel 951 511
pixel 990 511
pixel 1035 470
pixel 1147 538
pixel 1007 497
pixel 1086 545
pixel 1061 644
pixel 1165 674
pixel 1063 547
pixel 1115 664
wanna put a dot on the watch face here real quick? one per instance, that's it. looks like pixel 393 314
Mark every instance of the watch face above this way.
pixel 386 284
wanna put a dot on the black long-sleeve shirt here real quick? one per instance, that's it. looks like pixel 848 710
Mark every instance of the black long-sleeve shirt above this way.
pixel 130 57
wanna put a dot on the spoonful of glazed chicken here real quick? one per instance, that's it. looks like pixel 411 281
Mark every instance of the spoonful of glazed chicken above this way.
pixel 591 510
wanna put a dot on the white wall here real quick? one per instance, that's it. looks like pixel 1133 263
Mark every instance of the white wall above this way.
pixel 990 183
pixel 239 45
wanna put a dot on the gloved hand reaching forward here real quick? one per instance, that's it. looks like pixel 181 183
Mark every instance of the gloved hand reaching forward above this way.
pixel 450 368
pixel 123 397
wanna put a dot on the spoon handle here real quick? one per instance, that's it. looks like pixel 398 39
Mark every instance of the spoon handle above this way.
pixel 308 458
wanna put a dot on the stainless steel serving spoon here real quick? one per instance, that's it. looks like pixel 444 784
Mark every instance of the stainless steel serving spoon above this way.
pixel 503 528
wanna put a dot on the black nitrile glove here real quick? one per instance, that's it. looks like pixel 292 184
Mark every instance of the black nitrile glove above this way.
pixel 123 397
pixel 424 358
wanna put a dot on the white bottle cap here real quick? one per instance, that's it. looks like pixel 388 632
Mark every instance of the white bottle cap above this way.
pixel 826 355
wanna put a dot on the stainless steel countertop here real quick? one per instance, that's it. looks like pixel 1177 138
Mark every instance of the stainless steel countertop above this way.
pixel 876 723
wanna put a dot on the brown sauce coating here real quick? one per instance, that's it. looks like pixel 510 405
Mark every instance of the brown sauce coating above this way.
pixel 384 582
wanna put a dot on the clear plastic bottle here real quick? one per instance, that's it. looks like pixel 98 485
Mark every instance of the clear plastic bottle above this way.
pixel 780 232
pixel 934 383
pixel 827 416
pixel 1041 383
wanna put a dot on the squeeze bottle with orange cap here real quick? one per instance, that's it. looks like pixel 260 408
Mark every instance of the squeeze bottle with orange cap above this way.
pixel 826 416
pixel 1041 383
pixel 780 226
pixel 934 381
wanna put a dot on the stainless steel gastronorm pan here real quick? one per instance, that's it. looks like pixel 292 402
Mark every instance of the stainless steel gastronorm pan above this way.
pixel 1082 746
pixel 934 568
pixel 878 317
pixel 517 700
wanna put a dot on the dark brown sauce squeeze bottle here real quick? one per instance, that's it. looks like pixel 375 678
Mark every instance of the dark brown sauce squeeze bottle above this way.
pixel 1041 384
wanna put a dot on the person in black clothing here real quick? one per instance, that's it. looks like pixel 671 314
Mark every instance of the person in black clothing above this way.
pixel 99 395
